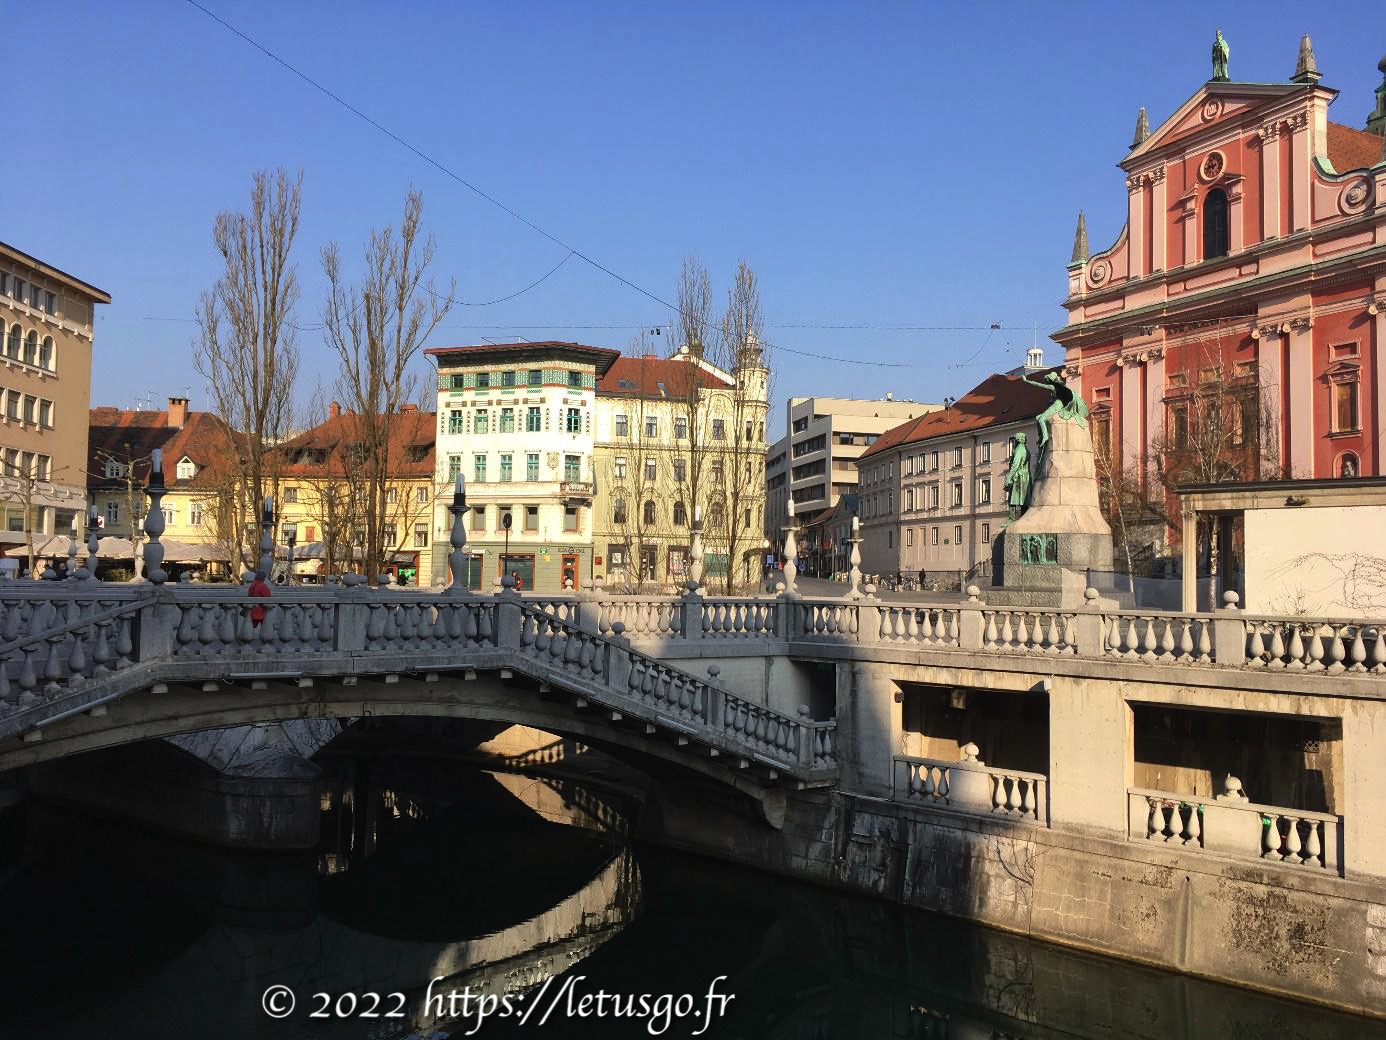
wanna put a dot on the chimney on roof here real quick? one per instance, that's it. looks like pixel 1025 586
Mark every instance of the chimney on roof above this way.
pixel 177 412
pixel 649 357
pixel 408 409
pixel 334 410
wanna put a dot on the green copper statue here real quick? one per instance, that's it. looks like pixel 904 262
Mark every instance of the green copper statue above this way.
pixel 1221 52
pixel 1017 482
pixel 1066 405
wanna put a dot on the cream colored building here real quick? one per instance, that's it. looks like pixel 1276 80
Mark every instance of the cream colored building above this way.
pixel 45 381
pixel 677 439
pixel 518 421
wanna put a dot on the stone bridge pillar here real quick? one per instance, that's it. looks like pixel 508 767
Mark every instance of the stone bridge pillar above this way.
pixel 1091 750
pixel 869 727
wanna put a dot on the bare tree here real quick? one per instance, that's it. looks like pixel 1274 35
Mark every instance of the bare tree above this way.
pixel 377 329
pixel 247 351
pixel 121 465
pixel 21 486
pixel 736 441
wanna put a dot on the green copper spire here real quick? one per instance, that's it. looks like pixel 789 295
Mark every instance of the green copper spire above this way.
pixel 1221 52
pixel 1142 129
pixel 1080 240
pixel 1306 69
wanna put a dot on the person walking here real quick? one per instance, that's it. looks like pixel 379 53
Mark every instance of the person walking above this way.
pixel 259 589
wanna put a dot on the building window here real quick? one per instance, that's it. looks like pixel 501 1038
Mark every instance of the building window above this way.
pixel 508 378
pixel 649 513
pixel 719 429
pixel 454 467
pixel 984 492
pixel 1345 407
pixel 454 421
pixel 195 514
pixel 1215 224
pixel 532 420
pixel 481 422
pixel 619 467
pixel 933 496
pixel 934 534
pixel 957 494
pixel 30 408
pixel 112 513
pixel 421 536
pixel 986 451
pixel 618 511
pixel 535 377
pixel 483 380
pixel 531 518
pixel 1101 435
pixel 391 496
pixel 957 534
pixel 45 358
pixel 957 457
pixel 680 428
pixel 718 471
pixel 31 348
pixel 532 466
pixel 890 539
pixel 479 518
pixel 479 468
pixel 574 424
pixel 680 470
pixel 986 534
pixel 570 518
pixel 933 460
pixel 1179 425
pixel 506 471
pixel 622 426
pixel 680 515
pixel 50 303
pixel 421 493
pixel 651 471
pixel 575 380
pixel 651 426
pixel 507 420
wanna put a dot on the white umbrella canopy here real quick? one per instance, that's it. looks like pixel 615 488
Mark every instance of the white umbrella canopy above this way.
pixel 45 545
pixel 192 552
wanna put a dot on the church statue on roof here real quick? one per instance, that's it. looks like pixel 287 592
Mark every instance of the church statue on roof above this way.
pixel 1221 52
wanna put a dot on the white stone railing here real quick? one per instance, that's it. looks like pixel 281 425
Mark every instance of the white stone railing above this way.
pixel 971 787
pixel 60 637
pixel 1029 631
pixel 926 626
pixel 739 618
pixel 1160 637
pixel 1315 645
pixel 1234 827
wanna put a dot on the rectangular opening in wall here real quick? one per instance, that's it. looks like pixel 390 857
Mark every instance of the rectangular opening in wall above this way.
pixel 1280 760
pixel 1011 730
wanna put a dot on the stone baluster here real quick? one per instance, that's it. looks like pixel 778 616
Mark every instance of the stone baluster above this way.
pixel 791 552
pixel 691 607
pixel 854 574
pixel 89 571
pixel 266 563
pixel 154 520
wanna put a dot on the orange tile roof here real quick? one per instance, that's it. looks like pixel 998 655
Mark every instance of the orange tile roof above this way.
pixel 651 376
pixel 318 452
pixel 995 400
pixel 1350 149
pixel 127 433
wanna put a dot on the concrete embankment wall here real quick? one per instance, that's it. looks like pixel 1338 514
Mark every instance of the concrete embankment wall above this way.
pixel 1285 931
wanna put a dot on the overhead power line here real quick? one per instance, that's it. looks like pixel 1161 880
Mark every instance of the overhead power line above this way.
pixel 572 250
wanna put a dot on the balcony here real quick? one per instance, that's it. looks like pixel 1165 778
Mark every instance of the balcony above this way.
pixel 575 490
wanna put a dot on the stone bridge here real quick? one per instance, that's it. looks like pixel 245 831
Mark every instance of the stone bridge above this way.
pixel 1064 773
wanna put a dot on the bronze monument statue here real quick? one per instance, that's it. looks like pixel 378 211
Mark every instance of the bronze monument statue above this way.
pixel 1066 405
pixel 1017 482
pixel 1221 52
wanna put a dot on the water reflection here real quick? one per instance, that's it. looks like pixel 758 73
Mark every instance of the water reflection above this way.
pixel 498 880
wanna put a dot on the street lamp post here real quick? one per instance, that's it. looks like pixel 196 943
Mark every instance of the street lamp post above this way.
pixel 292 541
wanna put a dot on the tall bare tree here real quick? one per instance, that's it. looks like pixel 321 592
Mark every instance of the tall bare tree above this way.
pixel 124 462
pixel 377 328
pixel 736 442
pixel 247 350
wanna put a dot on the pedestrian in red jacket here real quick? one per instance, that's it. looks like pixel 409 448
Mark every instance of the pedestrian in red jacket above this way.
pixel 260 590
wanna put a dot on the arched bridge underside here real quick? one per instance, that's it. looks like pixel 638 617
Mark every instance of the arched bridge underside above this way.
pixel 552 676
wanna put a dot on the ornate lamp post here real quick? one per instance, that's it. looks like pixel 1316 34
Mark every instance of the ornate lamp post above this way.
pixel 457 538
pixel 266 563
pixel 154 520
pixel 93 546
pixel 854 575
pixel 292 541
pixel 791 552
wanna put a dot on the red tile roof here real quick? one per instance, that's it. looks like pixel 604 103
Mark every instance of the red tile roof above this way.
pixel 1350 149
pixel 651 376
pixel 319 452
pixel 127 433
pixel 995 400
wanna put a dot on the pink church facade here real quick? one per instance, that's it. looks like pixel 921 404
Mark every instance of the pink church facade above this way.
pixel 1254 253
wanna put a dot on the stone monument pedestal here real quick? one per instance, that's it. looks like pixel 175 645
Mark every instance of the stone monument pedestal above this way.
pixel 1042 558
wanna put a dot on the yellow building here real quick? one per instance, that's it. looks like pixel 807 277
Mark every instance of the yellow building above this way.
pixel 46 326
pixel 679 440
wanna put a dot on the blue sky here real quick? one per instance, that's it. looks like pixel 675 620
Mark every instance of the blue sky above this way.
pixel 878 164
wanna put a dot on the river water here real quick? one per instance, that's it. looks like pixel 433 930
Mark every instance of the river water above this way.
pixel 493 883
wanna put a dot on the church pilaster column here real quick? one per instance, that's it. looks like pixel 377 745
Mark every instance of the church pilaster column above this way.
pixel 1159 221
pixel 1273 398
pixel 1270 180
pixel 1377 411
pixel 1298 127
pixel 1135 215
pixel 1300 382
pixel 1133 432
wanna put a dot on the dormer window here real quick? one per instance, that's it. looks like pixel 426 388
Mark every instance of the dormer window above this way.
pixel 1215 239
pixel 187 469
pixel 115 469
